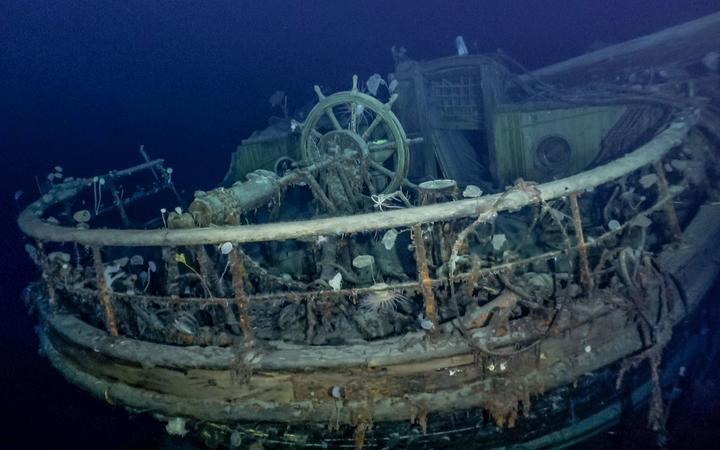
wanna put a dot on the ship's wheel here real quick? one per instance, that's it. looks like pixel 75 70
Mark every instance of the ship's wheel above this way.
pixel 356 121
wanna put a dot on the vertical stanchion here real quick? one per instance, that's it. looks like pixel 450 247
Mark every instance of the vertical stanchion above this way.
pixel 237 269
pixel 585 278
pixel 43 260
pixel 110 322
pixel 169 255
pixel 424 277
pixel 208 272
pixel 670 212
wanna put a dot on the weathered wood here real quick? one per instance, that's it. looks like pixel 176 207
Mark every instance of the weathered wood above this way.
pixel 429 306
pixel 395 389
pixel 108 312
pixel 587 344
pixel 682 43
pixel 493 94
pixel 319 193
pixel 43 260
pixel 149 165
pixel 694 262
pixel 478 316
pixel 702 236
pixel 187 383
pixel 31 223
pixel 582 249
pixel 208 272
pixel 169 256
pixel 670 213
pixel 237 269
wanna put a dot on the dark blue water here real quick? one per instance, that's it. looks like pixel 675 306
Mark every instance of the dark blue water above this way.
pixel 84 83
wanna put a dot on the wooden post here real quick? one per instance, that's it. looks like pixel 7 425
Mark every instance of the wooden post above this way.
pixel 493 94
pixel 582 250
pixel 208 271
pixel 424 277
pixel 213 283
pixel 670 212
pixel 110 322
pixel 443 236
pixel 172 273
pixel 237 268
pixel 43 260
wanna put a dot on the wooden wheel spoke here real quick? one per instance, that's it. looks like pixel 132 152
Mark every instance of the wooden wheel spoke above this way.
pixel 314 151
pixel 379 169
pixel 383 146
pixel 353 117
pixel 367 179
pixel 329 112
pixel 366 134
pixel 382 151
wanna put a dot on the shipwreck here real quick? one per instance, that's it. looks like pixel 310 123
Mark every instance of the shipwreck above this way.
pixel 466 252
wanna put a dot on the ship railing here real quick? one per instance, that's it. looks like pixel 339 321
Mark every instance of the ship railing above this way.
pixel 190 253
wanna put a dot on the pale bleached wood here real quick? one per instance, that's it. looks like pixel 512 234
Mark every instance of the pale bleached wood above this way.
pixel 31 224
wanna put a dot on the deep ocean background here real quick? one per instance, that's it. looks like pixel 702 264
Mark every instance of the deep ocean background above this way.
pixel 84 83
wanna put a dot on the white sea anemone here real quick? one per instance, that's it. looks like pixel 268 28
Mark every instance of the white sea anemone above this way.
pixel 321 240
pixel 498 241
pixel 383 298
pixel 177 426
pixel 363 261
pixel 226 247
pixel 388 239
pixel 472 191
pixel 336 282
pixel 82 216
pixel 425 324
pixel 614 225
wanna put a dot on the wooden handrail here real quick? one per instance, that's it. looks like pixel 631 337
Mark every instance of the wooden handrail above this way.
pixel 31 223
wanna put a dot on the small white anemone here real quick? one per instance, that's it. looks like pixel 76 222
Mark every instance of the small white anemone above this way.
pixel 363 261
pixel 384 298
pixel 336 282
pixel 389 238
pixel 226 248
pixel 472 191
pixel 176 426
pixel 82 216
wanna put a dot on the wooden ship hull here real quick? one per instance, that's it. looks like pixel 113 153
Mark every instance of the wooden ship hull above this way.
pixel 539 338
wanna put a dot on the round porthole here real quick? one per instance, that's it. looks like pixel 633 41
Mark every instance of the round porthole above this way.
pixel 553 154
